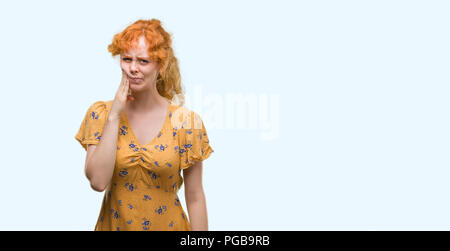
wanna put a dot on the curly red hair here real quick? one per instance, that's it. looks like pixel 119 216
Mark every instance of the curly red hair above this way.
pixel 160 50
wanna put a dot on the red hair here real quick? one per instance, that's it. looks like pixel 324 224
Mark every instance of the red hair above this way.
pixel 168 82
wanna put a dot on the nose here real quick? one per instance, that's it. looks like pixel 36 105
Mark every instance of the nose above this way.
pixel 133 68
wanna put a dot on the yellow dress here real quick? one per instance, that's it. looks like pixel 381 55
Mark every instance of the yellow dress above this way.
pixel 142 194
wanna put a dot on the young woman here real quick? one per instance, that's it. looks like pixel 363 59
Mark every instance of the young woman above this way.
pixel 138 143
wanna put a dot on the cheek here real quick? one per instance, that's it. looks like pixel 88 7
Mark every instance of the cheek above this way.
pixel 125 70
pixel 149 72
pixel 123 65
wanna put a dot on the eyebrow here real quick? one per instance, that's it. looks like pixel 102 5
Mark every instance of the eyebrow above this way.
pixel 146 58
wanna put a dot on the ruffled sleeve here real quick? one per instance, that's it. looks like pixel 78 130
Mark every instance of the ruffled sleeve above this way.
pixel 91 128
pixel 194 142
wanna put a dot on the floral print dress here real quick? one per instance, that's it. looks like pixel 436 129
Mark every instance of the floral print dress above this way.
pixel 142 193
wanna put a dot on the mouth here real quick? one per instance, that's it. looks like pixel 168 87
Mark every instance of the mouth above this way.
pixel 136 79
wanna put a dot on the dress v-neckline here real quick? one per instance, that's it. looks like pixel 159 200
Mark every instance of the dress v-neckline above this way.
pixel 127 122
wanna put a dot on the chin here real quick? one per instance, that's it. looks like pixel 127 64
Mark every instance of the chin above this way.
pixel 137 86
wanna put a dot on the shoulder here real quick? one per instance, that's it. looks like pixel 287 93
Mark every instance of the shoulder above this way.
pixel 183 110
pixel 99 109
pixel 101 105
pixel 185 118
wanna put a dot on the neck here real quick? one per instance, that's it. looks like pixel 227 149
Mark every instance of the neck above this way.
pixel 147 100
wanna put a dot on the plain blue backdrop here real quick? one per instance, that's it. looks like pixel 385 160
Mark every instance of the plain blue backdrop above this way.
pixel 359 116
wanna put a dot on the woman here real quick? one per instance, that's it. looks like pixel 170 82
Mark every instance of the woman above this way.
pixel 138 143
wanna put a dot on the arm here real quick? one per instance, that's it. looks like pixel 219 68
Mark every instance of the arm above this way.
pixel 195 197
pixel 100 158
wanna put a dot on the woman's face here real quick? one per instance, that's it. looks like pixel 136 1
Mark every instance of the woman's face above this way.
pixel 138 67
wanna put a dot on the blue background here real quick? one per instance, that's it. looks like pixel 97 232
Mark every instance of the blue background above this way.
pixel 363 89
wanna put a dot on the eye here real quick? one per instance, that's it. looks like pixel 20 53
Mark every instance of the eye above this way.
pixel 145 61
pixel 125 59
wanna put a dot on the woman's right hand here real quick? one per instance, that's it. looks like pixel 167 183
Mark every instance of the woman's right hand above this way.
pixel 121 97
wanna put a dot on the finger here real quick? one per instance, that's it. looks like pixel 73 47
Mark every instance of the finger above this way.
pixel 124 78
pixel 124 84
pixel 126 87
